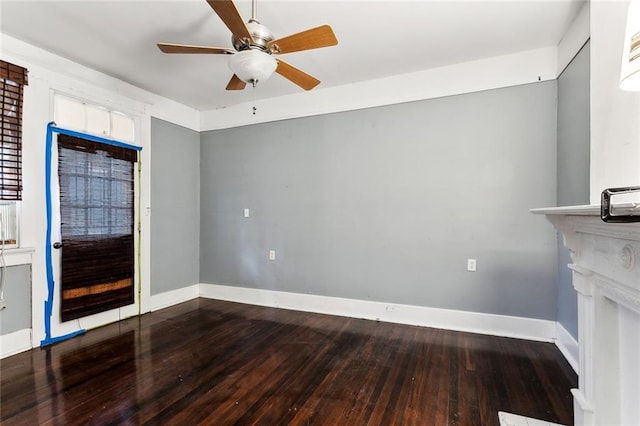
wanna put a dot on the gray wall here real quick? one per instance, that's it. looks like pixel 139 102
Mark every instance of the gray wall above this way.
pixel 17 297
pixel 574 131
pixel 573 167
pixel 388 203
pixel 175 209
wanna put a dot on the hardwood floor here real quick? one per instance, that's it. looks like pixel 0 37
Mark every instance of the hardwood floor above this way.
pixel 222 363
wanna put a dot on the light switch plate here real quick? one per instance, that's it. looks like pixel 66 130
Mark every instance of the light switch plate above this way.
pixel 471 265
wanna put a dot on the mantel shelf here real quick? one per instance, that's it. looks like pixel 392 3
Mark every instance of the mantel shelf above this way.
pixel 587 210
pixel 584 210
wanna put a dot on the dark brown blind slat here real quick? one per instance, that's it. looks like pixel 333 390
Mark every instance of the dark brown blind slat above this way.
pixel 114 151
pixel 14 73
pixel 12 80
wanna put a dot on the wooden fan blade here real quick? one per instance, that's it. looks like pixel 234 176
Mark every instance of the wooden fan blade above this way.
pixel 229 14
pixel 314 38
pixel 235 83
pixel 293 74
pixel 189 48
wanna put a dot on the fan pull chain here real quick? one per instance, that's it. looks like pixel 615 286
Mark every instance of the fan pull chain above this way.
pixel 253 92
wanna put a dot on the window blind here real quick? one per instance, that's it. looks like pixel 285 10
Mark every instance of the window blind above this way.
pixel 12 80
pixel 97 226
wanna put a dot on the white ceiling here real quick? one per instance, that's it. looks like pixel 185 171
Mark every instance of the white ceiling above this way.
pixel 376 38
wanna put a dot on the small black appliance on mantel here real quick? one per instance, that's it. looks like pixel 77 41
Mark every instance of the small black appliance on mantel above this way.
pixel 632 211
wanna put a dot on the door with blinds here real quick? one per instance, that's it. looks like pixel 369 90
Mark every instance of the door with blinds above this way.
pixel 97 253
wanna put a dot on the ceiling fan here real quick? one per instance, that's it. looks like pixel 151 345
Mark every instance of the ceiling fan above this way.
pixel 254 47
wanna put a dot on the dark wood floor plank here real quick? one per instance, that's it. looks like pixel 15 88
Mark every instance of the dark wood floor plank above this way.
pixel 372 369
pixel 419 411
pixel 346 389
pixel 266 369
pixel 441 381
pixel 400 380
pixel 489 384
pixel 545 370
pixel 214 362
pixel 218 357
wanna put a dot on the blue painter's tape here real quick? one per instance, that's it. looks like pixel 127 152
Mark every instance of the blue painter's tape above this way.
pixel 48 304
pixel 52 340
pixel 93 138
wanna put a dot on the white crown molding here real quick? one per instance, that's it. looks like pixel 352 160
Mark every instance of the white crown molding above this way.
pixel 485 74
pixel 48 66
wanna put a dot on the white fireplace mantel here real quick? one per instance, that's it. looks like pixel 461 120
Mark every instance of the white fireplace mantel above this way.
pixel 606 277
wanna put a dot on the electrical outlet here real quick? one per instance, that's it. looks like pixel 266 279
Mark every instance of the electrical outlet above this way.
pixel 471 265
pixel 246 212
pixel 272 255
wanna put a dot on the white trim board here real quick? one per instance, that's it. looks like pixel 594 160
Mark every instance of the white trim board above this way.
pixel 173 297
pixel 14 343
pixel 509 419
pixel 18 256
pixel 46 65
pixel 474 322
pixel 484 74
pixel 568 345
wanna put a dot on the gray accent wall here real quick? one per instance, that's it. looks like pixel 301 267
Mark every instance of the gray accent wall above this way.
pixel 574 131
pixel 388 203
pixel 573 167
pixel 17 296
pixel 175 209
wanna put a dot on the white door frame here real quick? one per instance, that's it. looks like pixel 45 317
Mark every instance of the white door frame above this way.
pixel 47 329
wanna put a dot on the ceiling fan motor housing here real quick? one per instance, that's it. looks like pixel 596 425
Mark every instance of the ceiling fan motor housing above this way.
pixel 261 37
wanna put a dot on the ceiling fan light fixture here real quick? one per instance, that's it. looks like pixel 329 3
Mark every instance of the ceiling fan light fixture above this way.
pixel 254 44
pixel 252 66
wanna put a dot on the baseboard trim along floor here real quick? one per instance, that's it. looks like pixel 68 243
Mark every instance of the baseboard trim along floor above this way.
pixel 474 322
pixel 509 419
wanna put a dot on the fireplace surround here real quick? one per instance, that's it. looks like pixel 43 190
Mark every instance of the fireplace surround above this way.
pixel 606 276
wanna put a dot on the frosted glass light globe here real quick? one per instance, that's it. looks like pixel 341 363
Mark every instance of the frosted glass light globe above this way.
pixel 252 66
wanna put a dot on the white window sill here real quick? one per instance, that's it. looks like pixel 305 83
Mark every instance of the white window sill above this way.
pixel 18 256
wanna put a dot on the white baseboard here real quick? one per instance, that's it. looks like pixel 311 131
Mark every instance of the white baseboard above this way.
pixel 14 343
pixel 583 410
pixel 474 322
pixel 20 341
pixel 568 345
pixel 173 297
pixel 510 419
